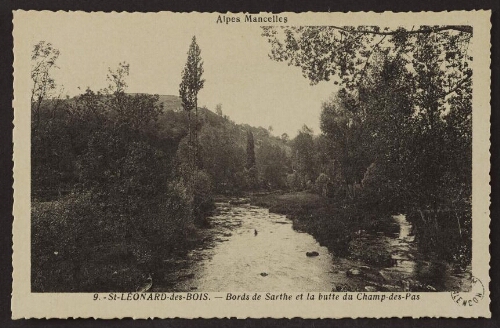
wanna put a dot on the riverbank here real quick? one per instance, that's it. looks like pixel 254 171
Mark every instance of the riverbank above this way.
pixel 337 226
pixel 79 245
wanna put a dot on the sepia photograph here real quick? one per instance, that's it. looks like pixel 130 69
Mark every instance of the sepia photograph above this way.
pixel 250 154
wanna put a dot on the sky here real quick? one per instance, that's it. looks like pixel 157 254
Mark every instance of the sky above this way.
pixel 251 87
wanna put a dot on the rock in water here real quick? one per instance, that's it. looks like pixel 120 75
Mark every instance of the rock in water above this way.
pixel 430 288
pixel 353 272
pixel 147 286
pixel 312 254
pixel 341 288
pixel 239 201
pixel 406 285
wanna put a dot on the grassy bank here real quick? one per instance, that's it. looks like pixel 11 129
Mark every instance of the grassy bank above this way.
pixel 81 245
pixel 333 225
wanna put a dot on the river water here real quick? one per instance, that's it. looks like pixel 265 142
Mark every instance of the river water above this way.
pixel 250 249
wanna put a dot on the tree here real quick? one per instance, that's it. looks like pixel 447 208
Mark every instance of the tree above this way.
pixel 221 155
pixel 251 168
pixel 218 109
pixel 191 84
pixel 250 150
pixel 272 164
pixel 136 111
pixel 116 78
pixel 344 53
pixel 371 125
pixel 432 64
pixel 43 60
pixel 401 121
pixel 303 153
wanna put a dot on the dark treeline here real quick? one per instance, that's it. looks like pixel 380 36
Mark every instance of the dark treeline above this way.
pixel 122 182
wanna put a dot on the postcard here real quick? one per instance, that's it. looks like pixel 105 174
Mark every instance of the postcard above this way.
pixel 251 165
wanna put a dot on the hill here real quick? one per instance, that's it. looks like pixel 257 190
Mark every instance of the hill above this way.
pixel 171 102
pixel 223 145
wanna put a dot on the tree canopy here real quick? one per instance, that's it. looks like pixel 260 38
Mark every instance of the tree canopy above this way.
pixel 345 53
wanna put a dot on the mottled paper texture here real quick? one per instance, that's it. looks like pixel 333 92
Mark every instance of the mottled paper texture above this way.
pixel 222 202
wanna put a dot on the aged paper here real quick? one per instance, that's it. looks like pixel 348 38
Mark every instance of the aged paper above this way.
pixel 313 165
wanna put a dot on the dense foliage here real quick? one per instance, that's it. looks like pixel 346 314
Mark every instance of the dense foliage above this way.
pixel 397 135
pixel 103 183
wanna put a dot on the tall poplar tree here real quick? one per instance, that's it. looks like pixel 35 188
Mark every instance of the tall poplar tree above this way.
pixel 191 84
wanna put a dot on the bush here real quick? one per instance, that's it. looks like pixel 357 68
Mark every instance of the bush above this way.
pixel 202 196
pixel 241 181
pixel 294 182
pixel 321 184
pixel 72 242
pixel 446 233
pixel 94 241
pixel 252 178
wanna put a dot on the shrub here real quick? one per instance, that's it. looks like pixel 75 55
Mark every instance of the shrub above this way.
pixel 321 184
pixel 241 181
pixel 252 178
pixel 202 195
pixel 91 241
pixel 66 235
pixel 294 182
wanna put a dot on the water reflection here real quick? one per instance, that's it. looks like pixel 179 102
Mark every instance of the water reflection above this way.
pixel 413 271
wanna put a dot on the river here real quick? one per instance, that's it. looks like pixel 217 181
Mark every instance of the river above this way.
pixel 250 249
